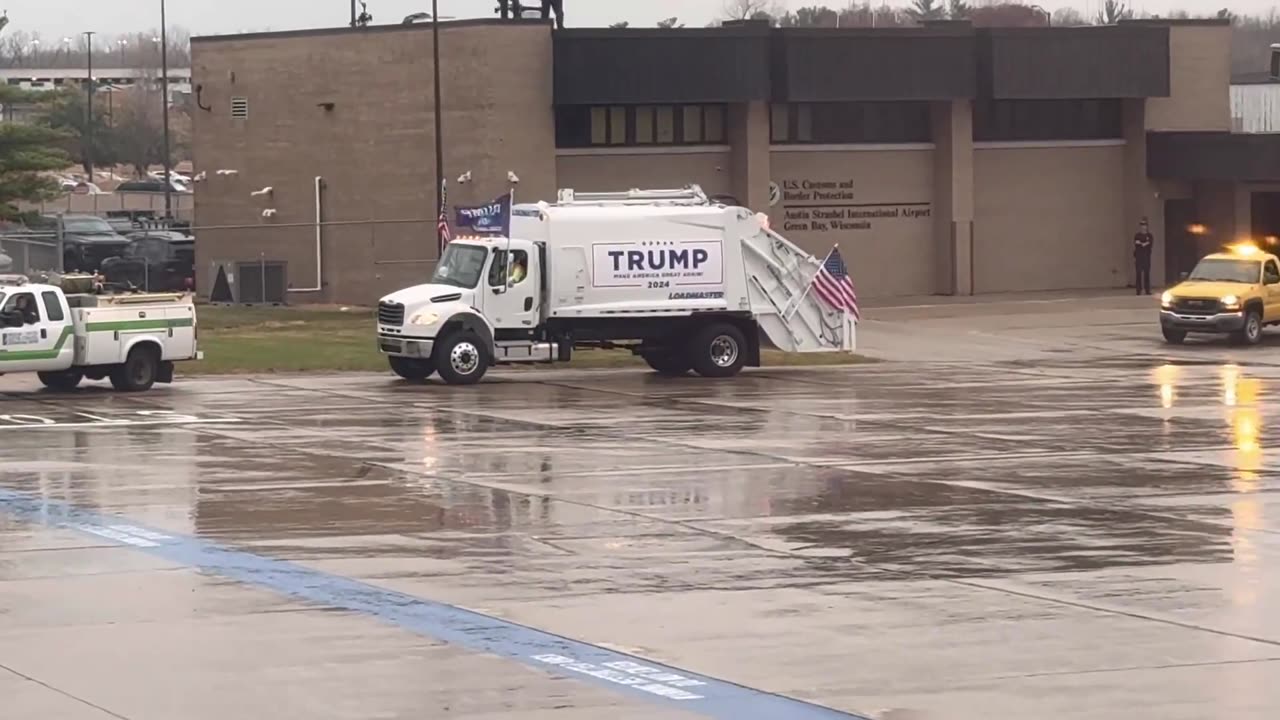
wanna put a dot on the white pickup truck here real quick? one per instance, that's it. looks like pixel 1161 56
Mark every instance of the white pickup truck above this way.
pixel 681 281
pixel 132 339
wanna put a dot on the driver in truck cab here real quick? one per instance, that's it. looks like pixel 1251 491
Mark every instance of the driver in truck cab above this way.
pixel 518 269
pixel 22 306
pixel 1234 293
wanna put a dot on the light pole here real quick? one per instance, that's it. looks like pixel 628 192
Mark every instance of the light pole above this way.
pixel 164 99
pixel 88 107
pixel 122 43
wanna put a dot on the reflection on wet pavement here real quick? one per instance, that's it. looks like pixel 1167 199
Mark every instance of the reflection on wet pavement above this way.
pixel 1075 540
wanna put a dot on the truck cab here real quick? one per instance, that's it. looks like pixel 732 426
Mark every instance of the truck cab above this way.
pixel 483 305
pixel 1234 293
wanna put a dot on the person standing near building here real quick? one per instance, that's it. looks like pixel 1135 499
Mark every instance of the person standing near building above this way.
pixel 1143 243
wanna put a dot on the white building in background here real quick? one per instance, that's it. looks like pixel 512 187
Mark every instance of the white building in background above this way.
pixel 1255 103
pixel 107 77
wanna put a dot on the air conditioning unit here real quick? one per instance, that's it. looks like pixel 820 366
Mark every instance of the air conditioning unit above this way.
pixel 248 282
pixel 222 282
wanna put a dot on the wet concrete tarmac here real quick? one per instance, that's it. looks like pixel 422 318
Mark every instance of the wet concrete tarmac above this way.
pixel 993 540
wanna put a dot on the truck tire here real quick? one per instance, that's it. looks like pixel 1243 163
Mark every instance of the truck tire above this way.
pixel 1251 333
pixel 461 358
pixel 411 369
pixel 1173 337
pixel 63 380
pixel 139 370
pixel 667 362
pixel 718 351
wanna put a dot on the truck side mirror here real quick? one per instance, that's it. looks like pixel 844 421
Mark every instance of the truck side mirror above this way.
pixel 500 289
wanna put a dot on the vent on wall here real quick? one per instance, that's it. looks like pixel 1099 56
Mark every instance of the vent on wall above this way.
pixel 240 108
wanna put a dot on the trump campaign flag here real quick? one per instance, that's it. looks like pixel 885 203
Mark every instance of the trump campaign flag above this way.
pixel 490 218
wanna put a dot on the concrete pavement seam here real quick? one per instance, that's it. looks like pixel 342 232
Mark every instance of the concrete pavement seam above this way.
pixel 62 692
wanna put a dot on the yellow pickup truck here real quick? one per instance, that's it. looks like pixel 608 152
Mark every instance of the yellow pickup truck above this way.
pixel 1234 293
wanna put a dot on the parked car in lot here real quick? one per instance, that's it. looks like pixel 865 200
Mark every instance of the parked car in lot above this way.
pixel 154 260
pixel 151 185
pixel 6 263
pixel 87 241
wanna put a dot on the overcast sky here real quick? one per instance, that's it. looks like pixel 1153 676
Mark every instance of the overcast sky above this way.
pixel 57 18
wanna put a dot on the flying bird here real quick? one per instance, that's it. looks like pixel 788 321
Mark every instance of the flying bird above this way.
pixel 228 172
pixel 200 177
pixel 512 177
pixel 264 191
pixel 269 212
pixel 464 178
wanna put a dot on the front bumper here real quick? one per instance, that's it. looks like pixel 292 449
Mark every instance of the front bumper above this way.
pixel 1223 322
pixel 401 346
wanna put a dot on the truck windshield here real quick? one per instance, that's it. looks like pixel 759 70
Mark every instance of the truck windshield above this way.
pixel 86 225
pixel 1225 270
pixel 461 266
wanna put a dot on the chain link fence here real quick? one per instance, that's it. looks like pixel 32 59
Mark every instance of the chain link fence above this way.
pixel 350 262
pixel 27 253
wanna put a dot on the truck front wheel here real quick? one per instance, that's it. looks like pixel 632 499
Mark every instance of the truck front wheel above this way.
pixel 1251 333
pixel 63 380
pixel 461 359
pixel 139 370
pixel 411 369
pixel 718 351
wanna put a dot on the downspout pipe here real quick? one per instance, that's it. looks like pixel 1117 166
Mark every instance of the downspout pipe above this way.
pixel 319 241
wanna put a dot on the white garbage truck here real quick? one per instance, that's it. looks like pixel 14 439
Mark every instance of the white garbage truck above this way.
pixel 685 283
pixel 134 340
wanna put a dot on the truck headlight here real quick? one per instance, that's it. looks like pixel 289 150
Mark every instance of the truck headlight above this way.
pixel 1166 299
pixel 1230 302
pixel 424 318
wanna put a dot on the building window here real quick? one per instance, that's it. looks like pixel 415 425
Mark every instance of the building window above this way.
pixel 852 123
pixel 1014 120
pixel 632 125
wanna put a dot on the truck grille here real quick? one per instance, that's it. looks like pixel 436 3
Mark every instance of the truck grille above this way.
pixel 1197 306
pixel 390 314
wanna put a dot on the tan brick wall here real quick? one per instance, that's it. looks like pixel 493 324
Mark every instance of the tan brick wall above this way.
pixel 594 172
pixel 894 256
pixel 1049 218
pixel 1199 81
pixel 375 149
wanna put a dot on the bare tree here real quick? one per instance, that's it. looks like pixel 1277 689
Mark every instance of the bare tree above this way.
pixel 751 9
pixel 1068 17
pixel 958 10
pixel 1112 12
pixel 670 23
pixel 923 10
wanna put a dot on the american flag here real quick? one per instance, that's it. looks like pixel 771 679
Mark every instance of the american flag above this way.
pixel 834 286
pixel 443 236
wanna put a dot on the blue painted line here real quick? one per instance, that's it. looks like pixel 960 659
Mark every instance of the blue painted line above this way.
pixel 620 672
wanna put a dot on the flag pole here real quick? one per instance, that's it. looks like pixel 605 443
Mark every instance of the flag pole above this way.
pixel 809 286
pixel 511 208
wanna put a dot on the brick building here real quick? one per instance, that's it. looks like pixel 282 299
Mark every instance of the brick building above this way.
pixel 943 159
